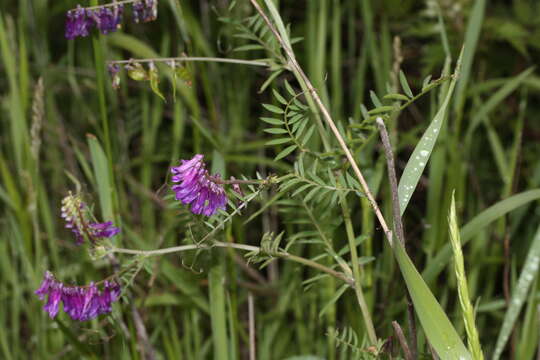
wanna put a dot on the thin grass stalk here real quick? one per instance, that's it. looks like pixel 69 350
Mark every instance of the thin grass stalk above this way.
pixel 472 35
pixel 366 13
pixel 99 61
pixel 320 52
pixel 368 322
pixel 336 60
pixel 251 312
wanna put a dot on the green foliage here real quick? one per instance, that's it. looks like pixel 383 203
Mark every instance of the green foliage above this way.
pixel 291 123
pixel 193 305
pixel 351 347
pixel 422 151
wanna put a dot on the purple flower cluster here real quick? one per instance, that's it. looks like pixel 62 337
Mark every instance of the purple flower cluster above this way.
pixel 80 21
pixel 103 230
pixel 77 23
pixel 80 302
pixel 107 18
pixel 77 217
pixel 197 187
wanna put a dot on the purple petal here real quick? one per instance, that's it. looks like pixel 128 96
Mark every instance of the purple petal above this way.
pixel 48 281
pixel 103 230
pixel 197 188
pixel 53 301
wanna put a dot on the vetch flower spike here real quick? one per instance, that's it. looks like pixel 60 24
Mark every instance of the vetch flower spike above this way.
pixel 107 20
pixel 195 186
pixel 77 23
pixel 81 303
pixel 79 219
pixel 103 230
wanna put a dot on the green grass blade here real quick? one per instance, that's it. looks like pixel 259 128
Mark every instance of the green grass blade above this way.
pixel 529 331
pixel 499 154
pixel 101 174
pixel 101 84
pixel 438 329
pixel 370 38
pixel 472 34
pixel 333 299
pixel 278 22
pixel 420 156
pixel 18 124
pixel 477 224
pixel 217 312
pixel 519 295
pixel 495 100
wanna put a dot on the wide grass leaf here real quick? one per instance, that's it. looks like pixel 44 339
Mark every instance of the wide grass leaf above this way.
pixel 438 329
pixel 420 156
pixel 101 174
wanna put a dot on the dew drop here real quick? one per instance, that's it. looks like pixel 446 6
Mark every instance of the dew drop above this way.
pixel 424 152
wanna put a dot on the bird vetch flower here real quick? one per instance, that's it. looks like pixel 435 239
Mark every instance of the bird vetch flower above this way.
pixel 79 219
pixel 77 23
pixel 107 20
pixel 196 187
pixel 80 302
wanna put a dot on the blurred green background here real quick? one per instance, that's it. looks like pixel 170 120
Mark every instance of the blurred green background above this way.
pixel 73 124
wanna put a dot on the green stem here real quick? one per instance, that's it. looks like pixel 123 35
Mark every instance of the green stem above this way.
pixel 327 241
pixel 218 180
pixel 113 4
pixel 182 248
pixel 193 59
pixel 292 65
pixel 317 266
pixel 281 254
pixel 356 271
pixel 100 78
pixel 428 88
